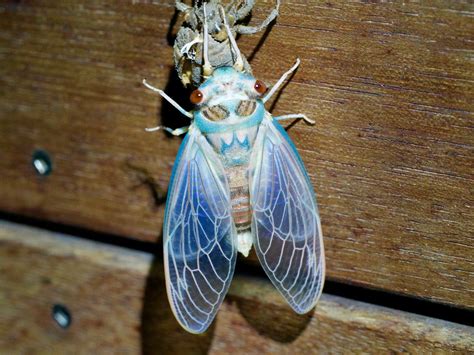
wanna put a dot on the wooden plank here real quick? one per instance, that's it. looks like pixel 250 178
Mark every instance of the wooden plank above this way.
pixel 118 304
pixel 390 85
pixel 101 286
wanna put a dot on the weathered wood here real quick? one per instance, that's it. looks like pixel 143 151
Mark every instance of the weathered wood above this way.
pixel 391 157
pixel 101 286
pixel 118 305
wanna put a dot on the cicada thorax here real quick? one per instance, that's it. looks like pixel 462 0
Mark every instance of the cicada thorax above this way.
pixel 234 146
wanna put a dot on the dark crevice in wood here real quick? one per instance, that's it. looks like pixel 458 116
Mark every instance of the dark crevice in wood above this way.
pixel 401 302
pixel 384 299
pixel 357 293
pixel 80 232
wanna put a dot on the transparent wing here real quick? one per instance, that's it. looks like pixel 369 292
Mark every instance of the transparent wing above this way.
pixel 285 223
pixel 199 235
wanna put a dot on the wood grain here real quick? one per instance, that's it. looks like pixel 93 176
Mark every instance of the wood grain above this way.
pixel 391 156
pixel 118 304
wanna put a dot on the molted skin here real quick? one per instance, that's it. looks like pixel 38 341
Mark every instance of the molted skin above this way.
pixel 189 67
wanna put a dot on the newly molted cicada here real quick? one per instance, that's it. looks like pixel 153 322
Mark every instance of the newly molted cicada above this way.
pixel 238 182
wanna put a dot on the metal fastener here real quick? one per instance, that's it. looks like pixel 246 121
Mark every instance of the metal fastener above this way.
pixel 61 315
pixel 42 163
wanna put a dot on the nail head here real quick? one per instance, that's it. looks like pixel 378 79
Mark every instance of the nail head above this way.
pixel 42 163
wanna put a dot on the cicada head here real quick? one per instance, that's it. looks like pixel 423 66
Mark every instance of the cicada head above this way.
pixel 228 97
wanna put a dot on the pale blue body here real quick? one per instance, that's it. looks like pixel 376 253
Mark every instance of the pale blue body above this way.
pixel 200 237
pixel 236 149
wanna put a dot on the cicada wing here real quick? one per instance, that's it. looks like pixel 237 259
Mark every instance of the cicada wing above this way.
pixel 285 221
pixel 199 235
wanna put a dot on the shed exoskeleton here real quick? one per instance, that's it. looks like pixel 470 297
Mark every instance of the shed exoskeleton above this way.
pixel 188 46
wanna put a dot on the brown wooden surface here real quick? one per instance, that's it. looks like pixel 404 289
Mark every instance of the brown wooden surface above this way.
pixel 391 156
pixel 118 305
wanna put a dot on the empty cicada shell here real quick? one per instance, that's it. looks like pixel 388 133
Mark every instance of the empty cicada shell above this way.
pixel 188 45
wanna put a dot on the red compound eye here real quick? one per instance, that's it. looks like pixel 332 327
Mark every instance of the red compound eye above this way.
pixel 260 87
pixel 196 97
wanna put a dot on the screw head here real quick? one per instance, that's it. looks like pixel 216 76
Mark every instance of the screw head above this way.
pixel 42 163
pixel 61 315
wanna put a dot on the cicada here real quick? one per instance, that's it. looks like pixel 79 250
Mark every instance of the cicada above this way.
pixel 237 182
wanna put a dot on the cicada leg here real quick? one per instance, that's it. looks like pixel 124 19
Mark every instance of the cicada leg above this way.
pixel 248 30
pixel 174 132
pixel 280 81
pixel 294 116
pixel 169 99
pixel 187 47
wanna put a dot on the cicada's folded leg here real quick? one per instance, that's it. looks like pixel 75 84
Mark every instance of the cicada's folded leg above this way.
pixel 248 30
pixel 294 116
pixel 188 46
pixel 177 131
pixel 174 132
